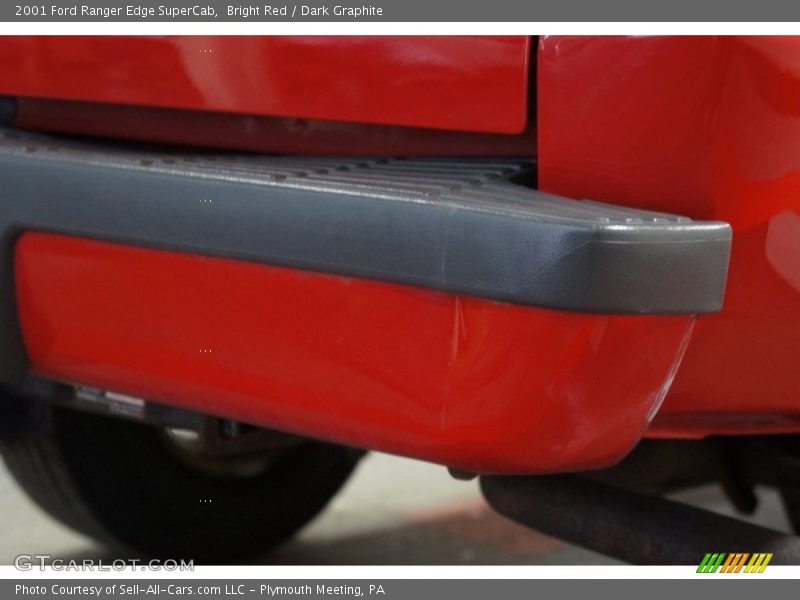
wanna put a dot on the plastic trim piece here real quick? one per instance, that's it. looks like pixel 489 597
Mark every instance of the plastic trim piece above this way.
pixel 459 226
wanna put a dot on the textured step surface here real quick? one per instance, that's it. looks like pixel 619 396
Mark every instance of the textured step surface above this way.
pixel 460 226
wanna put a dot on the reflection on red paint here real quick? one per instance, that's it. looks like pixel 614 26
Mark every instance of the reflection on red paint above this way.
pixel 708 127
pixel 467 382
pixel 470 83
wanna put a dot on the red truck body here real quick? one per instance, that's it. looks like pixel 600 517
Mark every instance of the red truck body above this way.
pixel 702 127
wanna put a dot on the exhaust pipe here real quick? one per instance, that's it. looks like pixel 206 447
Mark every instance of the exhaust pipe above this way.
pixel 629 526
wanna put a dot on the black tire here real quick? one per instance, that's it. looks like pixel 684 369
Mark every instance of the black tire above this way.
pixel 121 483
pixel 791 502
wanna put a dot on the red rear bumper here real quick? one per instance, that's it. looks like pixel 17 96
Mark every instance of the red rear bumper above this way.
pixel 408 313
pixel 466 382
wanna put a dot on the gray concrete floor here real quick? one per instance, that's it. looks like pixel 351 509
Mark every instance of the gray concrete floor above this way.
pixel 393 511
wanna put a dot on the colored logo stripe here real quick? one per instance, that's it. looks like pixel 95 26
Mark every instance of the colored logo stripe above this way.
pixel 711 562
pixel 758 563
pixel 734 562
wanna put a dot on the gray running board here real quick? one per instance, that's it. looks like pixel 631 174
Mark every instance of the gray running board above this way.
pixel 455 225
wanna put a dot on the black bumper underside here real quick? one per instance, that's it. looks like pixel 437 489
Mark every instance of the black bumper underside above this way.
pixel 459 226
